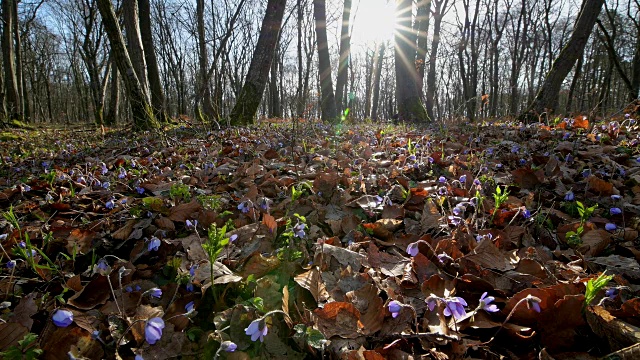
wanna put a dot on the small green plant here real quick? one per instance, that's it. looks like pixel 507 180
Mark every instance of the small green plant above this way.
pixel 288 244
pixel 11 217
pixel 215 243
pixel 499 197
pixel 180 191
pixel 593 287
pixel 210 202
pixel 574 238
pixel 26 349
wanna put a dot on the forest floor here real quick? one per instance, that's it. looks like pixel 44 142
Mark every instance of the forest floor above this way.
pixel 366 241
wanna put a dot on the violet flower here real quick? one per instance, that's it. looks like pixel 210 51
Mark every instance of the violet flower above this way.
pixel 257 330
pixel 153 330
pixel 394 308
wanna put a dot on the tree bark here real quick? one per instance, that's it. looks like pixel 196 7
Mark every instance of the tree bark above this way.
pixel 345 53
pixel 140 109
pixel 408 97
pixel 203 58
pixel 423 18
pixel 547 97
pixel 111 117
pixel 377 74
pixel 249 98
pixel 8 58
pixel 158 101
pixel 131 17
pixel 440 8
pixel 18 56
pixel 328 100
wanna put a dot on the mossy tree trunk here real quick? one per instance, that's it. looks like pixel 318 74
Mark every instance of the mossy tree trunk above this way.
pixel 8 57
pixel 140 108
pixel 244 111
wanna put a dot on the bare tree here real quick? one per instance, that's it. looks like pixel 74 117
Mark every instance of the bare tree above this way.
pixel 140 108
pixel 153 73
pixel 408 97
pixel 345 53
pixel 249 99
pixel 8 57
pixel 328 101
pixel 547 97
pixel 440 8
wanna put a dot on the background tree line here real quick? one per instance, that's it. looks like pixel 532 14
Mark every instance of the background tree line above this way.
pixel 102 61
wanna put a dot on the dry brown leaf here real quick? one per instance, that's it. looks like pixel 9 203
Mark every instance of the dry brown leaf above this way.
pixel 339 319
pixel 312 281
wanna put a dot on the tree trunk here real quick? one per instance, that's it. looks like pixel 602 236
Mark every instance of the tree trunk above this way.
pixel 275 110
pixel 18 55
pixel 300 96
pixel 8 58
pixel 547 97
pixel 369 56
pixel 203 58
pixel 248 101
pixel 440 8
pixel 345 53
pixel 328 101
pixel 111 117
pixel 377 74
pixel 423 19
pixel 635 77
pixel 574 83
pixel 140 109
pixel 130 14
pixel 408 100
pixel 158 101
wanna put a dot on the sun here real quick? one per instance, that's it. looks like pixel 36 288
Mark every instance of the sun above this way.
pixel 374 21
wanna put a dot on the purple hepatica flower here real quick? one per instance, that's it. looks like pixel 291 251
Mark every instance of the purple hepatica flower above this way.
pixel 110 204
pixel 463 179
pixel 611 293
pixel 26 188
pixel 394 308
pixel 442 179
pixel 233 238
pixel 430 159
pixel 458 210
pixel 476 182
pixel 298 230
pixel 515 149
pixel 442 190
pixel 526 213
pixel 122 174
pixel 22 245
pixel 610 226
pixel 11 264
pixel 264 204
pixel 615 197
pixel 533 303
pixel 615 211
pixel 569 196
pixel 102 267
pixel 105 185
pixel 156 293
pixel 228 346
pixel 486 303
pixel 244 207
pixel 432 301
pixel 128 289
pixel 154 244
pixel 139 190
pixel 138 357
pixel 153 330
pixel 455 220
pixel 455 306
pixel 257 330
pixel 412 249
pixel 191 224
pixel 103 169
pixel 189 307
pixel 444 256
pixel 411 158
pixel 192 270
pixel 586 172
pixel 62 318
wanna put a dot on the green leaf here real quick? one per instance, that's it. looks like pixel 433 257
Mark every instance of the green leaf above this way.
pixel 315 339
pixel 593 287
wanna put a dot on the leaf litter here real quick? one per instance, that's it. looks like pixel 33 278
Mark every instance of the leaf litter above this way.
pixel 358 242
